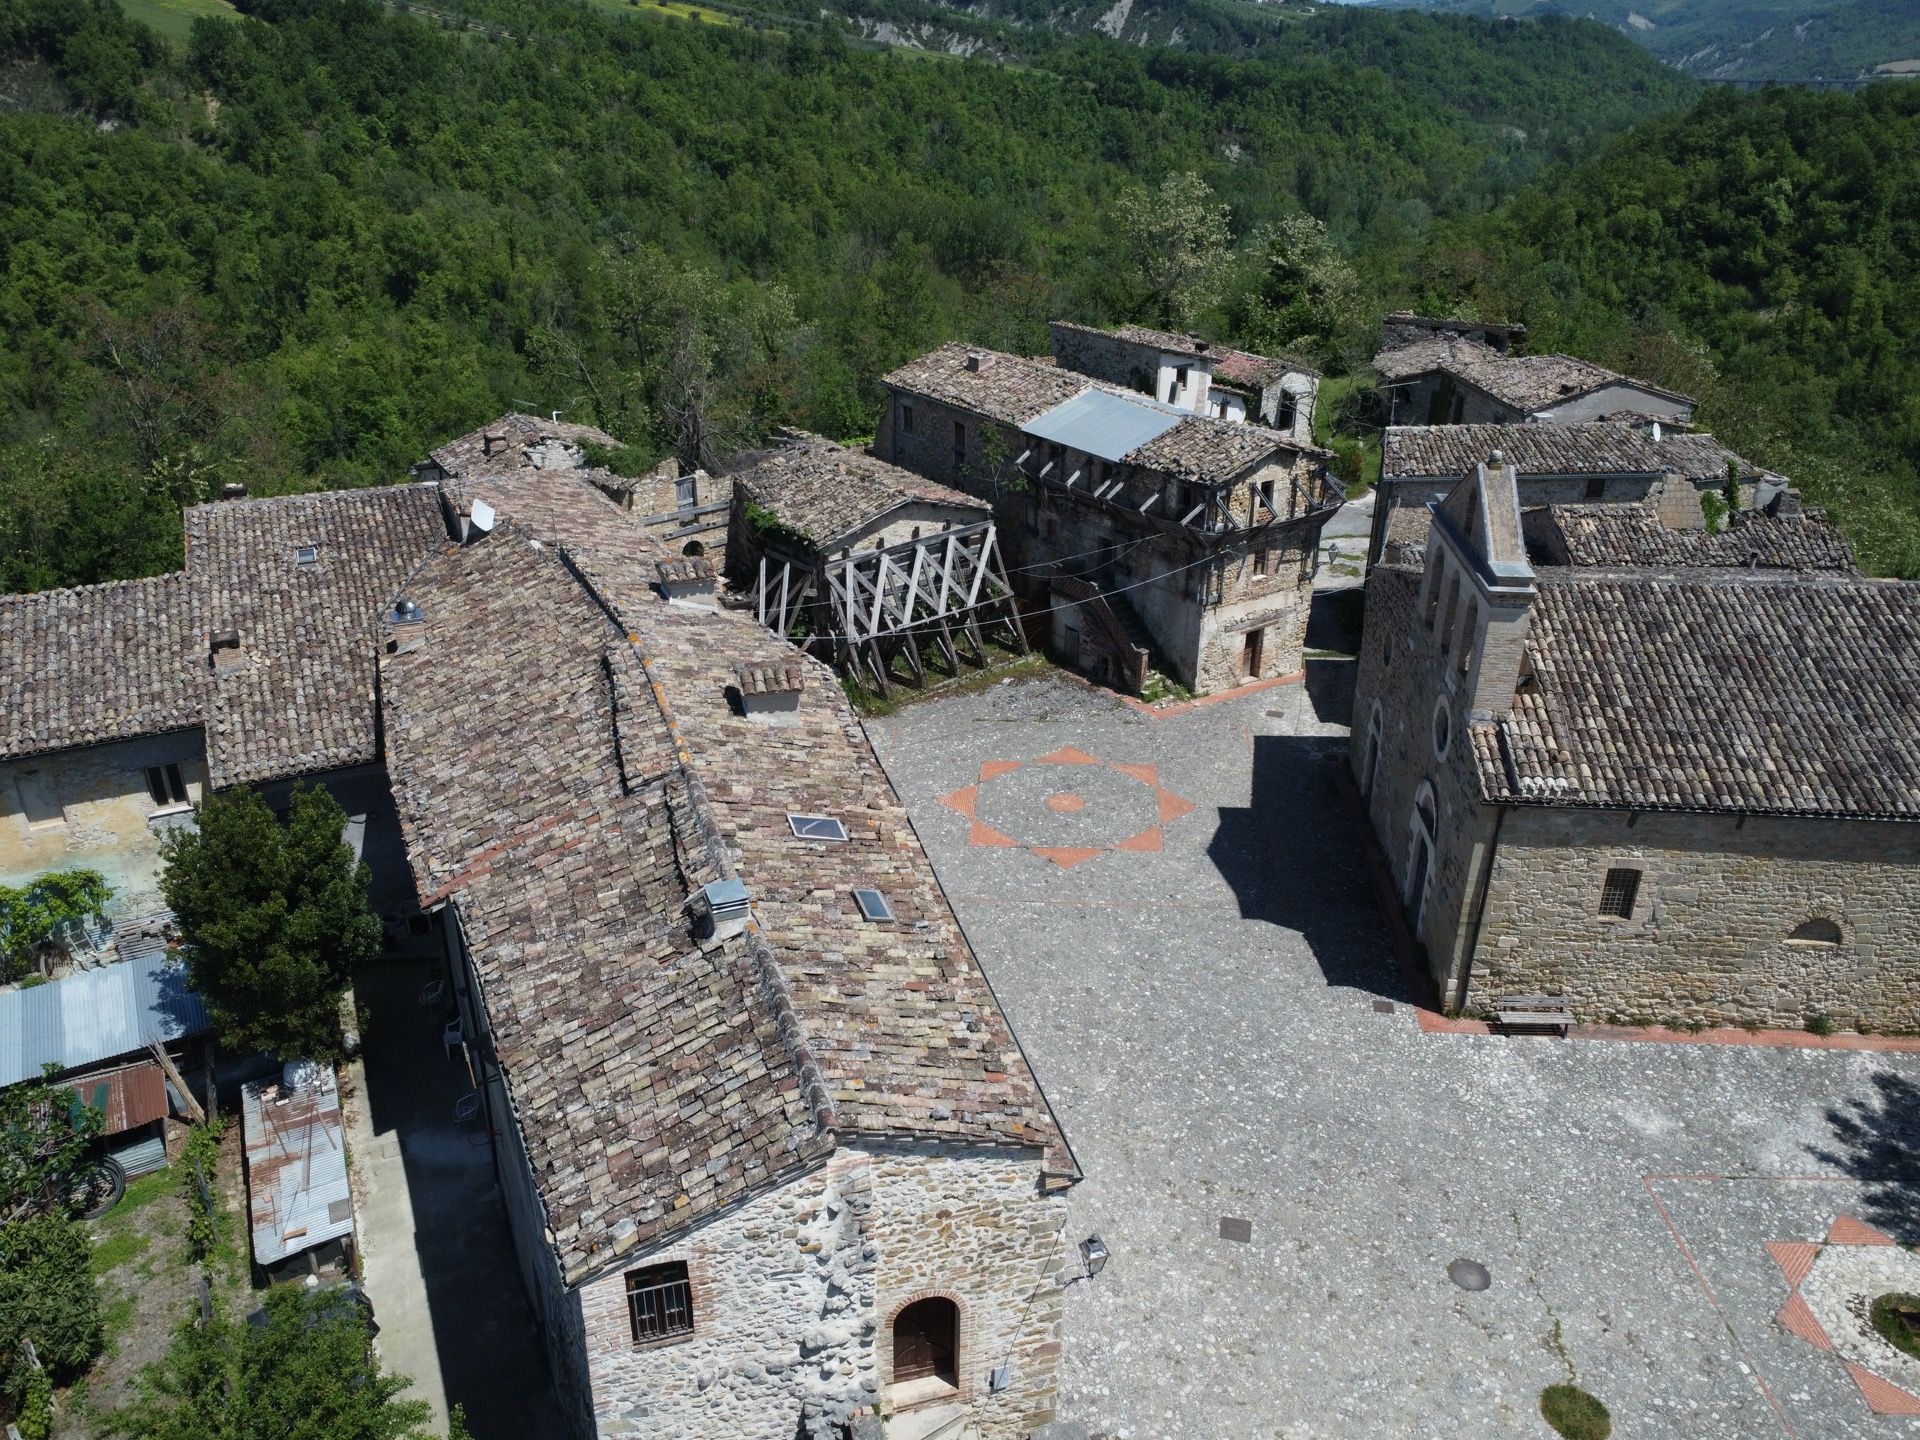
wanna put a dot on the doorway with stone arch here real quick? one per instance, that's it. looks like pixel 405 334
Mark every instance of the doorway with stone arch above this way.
pixel 1423 829
pixel 926 1352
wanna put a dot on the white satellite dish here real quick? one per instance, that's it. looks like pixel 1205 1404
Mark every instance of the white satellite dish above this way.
pixel 482 516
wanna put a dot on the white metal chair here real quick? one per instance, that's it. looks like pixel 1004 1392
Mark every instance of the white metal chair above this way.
pixel 454 1034
pixel 467 1108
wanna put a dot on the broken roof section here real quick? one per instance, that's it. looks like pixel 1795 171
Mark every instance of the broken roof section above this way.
pixel 297 1195
pixel 827 493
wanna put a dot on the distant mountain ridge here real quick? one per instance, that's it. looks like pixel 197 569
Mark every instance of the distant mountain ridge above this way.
pixel 1757 40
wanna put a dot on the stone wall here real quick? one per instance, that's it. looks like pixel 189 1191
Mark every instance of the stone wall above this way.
pixel 1707 942
pixel 1675 498
pixel 794 1293
pixel 1618 400
pixel 91 807
pixel 1403 684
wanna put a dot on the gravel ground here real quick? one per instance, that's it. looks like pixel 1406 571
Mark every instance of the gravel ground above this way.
pixel 1207 1019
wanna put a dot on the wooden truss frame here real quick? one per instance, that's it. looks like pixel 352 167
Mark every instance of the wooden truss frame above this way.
pixel 864 609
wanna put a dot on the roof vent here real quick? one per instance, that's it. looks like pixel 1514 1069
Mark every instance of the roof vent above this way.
pixel 408 622
pixel 770 694
pixel 976 360
pixel 233 490
pixel 720 910
pixel 688 580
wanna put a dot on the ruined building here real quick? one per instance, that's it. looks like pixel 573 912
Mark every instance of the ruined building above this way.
pixel 1152 534
pixel 1673 776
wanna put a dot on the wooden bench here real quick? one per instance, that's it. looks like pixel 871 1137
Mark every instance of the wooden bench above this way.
pixel 1534 1012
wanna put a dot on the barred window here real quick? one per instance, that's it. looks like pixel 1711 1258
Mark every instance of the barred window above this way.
pixel 1618 892
pixel 660 1302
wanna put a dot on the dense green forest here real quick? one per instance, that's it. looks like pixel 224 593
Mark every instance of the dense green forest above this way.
pixel 305 244
pixel 1761 252
pixel 296 248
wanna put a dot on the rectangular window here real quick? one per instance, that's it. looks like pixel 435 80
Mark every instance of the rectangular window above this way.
pixel 906 419
pixel 1262 559
pixel 1596 487
pixel 306 556
pixel 1618 892
pixel 166 785
pixel 660 1302
pixel 817 827
pixel 1289 407
pixel 959 443
pixel 873 905
pixel 686 492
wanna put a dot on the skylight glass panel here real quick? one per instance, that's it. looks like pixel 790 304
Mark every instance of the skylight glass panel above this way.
pixel 873 904
pixel 817 827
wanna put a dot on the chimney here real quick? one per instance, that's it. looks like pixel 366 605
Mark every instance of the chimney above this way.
pixel 225 650
pixel 688 581
pixel 233 490
pixel 488 442
pixel 406 626
pixel 770 693
pixel 976 360
pixel 719 910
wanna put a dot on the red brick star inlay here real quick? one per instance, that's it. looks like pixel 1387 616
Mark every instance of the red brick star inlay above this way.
pixel 1071 800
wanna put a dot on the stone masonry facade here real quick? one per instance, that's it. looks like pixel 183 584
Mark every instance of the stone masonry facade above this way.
pixel 794 1294
pixel 1707 942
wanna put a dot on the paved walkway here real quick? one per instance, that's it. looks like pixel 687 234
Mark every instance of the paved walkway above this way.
pixel 439 1258
pixel 1221 1026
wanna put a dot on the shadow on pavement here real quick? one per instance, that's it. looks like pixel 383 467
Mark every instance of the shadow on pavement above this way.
pixel 1292 859
pixel 1877 1142
pixel 477 1325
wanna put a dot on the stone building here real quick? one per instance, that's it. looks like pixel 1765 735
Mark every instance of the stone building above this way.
pixel 1152 533
pixel 1684 794
pixel 773 1159
pixel 867 565
pixel 251 665
pixel 1454 373
pixel 1649 467
pixel 1194 374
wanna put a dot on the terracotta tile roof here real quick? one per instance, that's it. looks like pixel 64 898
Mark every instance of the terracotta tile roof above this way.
pixel 1422 357
pixel 1449 451
pixel 685 569
pixel 1207 451
pixel 655 1080
pixel 1243 370
pixel 517 439
pixel 1007 388
pixel 101 662
pixel 826 492
pixel 776 679
pixel 1724 691
pixel 300 696
pixel 1701 458
pixel 1632 535
pixel 1539 382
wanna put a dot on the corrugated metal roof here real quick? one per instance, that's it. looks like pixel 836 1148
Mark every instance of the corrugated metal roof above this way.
pixel 297 1194
pixel 96 1015
pixel 129 1098
pixel 1108 426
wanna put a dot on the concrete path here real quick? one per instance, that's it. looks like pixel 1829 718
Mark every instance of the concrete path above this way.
pixel 439 1258
pixel 1219 1023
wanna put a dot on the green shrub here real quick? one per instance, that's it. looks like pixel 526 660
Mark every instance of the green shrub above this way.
pixel 46 1296
pixel 1575 1414
pixel 1820 1023
pixel 1896 1318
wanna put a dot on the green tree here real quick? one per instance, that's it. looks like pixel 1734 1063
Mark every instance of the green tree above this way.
pixel 306 1373
pixel 47 1296
pixel 1174 241
pixel 1302 296
pixel 274 917
pixel 45 1134
pixel 32 916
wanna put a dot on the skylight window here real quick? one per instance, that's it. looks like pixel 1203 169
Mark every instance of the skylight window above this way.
pixel 817 827
pixel 306 556
pixel 873 904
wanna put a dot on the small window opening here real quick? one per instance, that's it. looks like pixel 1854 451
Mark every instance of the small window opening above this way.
pixel 693 548
pixel 817 827
pixel 166 785
pixel 906 419
pixel 660 1302
pixel 306 556
pixel 873 905
pixel 1618 893
pixel 1596 487
pixel 1817 931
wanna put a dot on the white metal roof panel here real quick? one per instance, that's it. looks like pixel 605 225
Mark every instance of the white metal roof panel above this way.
pixel 1105 425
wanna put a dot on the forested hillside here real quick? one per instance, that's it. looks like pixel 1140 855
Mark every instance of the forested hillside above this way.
pixel 307 243
pixel 1761 252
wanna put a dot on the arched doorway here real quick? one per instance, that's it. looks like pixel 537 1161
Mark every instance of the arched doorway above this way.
pixel 926 1344
pixel 1423 828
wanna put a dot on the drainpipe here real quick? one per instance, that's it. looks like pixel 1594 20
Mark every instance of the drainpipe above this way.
pixel 1480 907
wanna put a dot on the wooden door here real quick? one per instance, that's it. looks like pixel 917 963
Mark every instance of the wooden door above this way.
pixel 1253 652
pixel 925 1341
